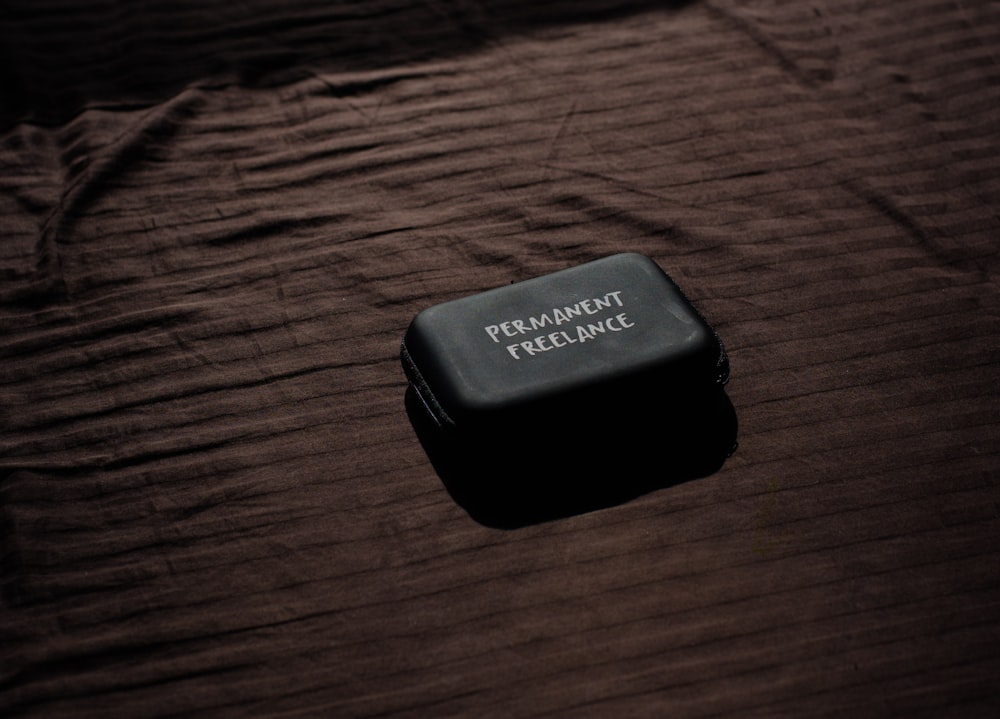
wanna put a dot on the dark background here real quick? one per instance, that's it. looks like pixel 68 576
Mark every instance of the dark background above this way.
pixel 217 220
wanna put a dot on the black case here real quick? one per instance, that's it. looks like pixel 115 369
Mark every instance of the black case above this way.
pixel 603 366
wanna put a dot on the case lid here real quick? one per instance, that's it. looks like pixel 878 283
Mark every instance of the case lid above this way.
pixel 556 340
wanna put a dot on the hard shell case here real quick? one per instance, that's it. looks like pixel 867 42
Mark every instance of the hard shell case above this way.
pixel 610 341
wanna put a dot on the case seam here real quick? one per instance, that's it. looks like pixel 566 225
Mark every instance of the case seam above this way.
pixel 423 390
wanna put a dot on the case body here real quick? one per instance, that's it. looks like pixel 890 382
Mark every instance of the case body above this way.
pixel 599 344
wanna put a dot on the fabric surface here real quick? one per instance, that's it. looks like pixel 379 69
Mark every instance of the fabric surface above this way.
pixel 218 219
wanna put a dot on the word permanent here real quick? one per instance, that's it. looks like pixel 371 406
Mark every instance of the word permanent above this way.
pixel 579 327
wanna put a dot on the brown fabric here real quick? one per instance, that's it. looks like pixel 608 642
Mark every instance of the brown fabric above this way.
pixel 218 219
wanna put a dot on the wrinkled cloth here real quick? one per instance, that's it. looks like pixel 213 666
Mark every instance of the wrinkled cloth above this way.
pixel 218 219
